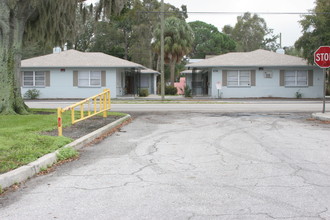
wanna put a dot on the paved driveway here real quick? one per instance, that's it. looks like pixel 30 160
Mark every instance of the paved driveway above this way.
pixel 190 166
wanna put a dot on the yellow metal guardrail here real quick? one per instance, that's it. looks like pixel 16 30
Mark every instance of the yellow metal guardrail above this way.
pixel 100 103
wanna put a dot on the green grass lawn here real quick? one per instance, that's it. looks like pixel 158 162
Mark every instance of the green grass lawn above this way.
pixel 21 141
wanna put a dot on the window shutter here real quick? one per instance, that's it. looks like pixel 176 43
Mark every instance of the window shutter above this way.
pixel 310 78
pixel 103 78
pixel 253 78
pixel 47 78
pixel 75 78
pixel 224 77
pixel 282 77
pixel 21 79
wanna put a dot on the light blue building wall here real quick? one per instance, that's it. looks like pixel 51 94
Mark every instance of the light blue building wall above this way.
pixel 267 87
pixel 62 86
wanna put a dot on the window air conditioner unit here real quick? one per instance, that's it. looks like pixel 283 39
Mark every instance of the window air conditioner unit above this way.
pixel 268 74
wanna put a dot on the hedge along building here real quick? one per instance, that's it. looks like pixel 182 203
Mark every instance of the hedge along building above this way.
pixel 74 74
pixel 255 74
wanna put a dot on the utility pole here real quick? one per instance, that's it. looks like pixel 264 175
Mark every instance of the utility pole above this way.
pixel 162 72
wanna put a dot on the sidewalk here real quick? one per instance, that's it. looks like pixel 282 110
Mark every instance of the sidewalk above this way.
pixel 208 98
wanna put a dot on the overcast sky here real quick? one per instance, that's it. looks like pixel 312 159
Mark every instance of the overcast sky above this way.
pixel 286 24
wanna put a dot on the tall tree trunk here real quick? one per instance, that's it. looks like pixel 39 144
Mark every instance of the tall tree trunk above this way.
pixel 150 59
pixel 172 70
pixel 126 44
pixel 12 25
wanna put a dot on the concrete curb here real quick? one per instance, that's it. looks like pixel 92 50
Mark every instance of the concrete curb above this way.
pixel 27 171
pixel 321 116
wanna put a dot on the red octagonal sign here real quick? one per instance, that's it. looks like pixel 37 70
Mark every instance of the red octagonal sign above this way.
pixel 322 57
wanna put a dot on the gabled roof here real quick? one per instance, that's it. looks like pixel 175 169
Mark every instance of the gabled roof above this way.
pixel 74 58
pixel 257 58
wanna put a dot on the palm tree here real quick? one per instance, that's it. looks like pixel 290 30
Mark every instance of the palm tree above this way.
pixel 178 41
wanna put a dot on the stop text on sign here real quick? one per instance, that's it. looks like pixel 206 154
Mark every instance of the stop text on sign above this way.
pixel 322 57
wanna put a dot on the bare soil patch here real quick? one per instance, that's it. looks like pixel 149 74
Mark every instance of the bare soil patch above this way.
pixel 85 127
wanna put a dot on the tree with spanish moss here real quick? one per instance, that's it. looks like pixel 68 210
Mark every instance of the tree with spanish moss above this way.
pixel 48 21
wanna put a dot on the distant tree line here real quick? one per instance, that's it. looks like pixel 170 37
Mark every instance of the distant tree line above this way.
pixel 134 34
pixel 129 29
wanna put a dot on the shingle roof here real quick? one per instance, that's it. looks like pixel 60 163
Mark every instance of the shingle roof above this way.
pixel 257 58
pixel 73 58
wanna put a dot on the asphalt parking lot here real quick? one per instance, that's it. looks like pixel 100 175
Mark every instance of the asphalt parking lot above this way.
pixel 190 166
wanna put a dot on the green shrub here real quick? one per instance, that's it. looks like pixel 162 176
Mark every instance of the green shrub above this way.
pixel 144 93
pixel 32 94
pixel 187 92
pixel 298 94
pixel 66 153
pixel 171 90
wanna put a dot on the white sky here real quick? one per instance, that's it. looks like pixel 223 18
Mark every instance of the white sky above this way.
pixel 286 24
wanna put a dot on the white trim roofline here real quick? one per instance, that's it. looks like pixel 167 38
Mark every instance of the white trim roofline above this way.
pixel 77 59
pixel 257 58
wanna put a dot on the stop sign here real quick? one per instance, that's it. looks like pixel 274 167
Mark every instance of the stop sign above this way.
pixel 322 57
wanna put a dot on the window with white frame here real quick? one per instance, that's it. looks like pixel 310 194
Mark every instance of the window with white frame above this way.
pixel 238 78
pixel 34 79
pixel 89 78
pixel 296 78
pixel 144 81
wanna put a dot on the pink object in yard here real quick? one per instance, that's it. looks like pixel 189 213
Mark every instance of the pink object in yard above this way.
pixel 180 85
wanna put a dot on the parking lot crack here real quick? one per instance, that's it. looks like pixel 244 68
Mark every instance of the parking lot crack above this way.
pixel 141 169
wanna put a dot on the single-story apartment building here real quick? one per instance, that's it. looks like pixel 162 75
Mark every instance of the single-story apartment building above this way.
pixel 255 74
pixel 75 74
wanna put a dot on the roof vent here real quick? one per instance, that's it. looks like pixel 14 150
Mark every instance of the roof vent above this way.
pixel 57 50
pixel 280 51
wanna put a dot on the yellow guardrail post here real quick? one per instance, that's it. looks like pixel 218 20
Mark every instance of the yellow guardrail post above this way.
pixel 59 121
pixel 104 97
pixel 101 104
pixel 109 99
pixel 72 116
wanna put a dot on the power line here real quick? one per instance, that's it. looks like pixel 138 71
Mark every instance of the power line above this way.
pixel 260 12
pixel 236 12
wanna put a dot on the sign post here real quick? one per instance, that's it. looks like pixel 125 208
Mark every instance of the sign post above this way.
pixel 322 59
pixel 219 86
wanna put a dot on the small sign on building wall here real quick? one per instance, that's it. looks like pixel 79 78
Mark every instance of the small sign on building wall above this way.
pixel 218 85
